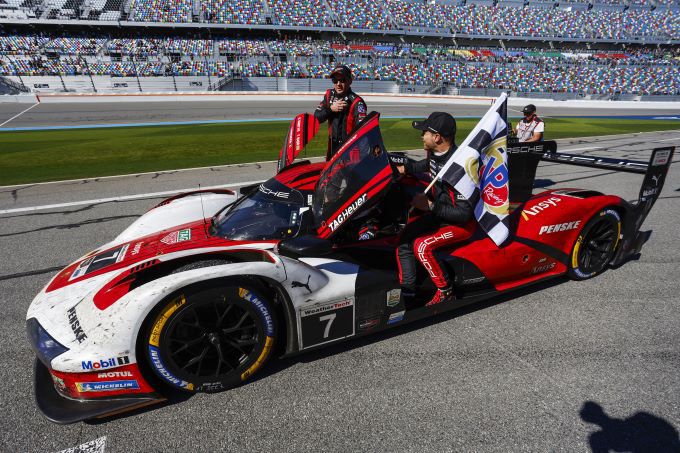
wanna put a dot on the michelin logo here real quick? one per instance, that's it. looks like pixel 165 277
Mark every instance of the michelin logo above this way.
pixel 106 386
pixel 168 376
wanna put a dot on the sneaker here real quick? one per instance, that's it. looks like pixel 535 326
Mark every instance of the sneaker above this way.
pixel 442 295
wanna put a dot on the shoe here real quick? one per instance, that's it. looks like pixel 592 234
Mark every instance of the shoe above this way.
pixel 442 295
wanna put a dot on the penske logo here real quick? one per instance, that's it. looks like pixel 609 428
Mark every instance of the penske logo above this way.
pixel 547 229
pixel 347 212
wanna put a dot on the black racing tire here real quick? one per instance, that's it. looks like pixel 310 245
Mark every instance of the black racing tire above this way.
pixel 210 338
pixel 596 245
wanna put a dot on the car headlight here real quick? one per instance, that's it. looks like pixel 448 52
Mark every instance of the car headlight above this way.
pixel 46 347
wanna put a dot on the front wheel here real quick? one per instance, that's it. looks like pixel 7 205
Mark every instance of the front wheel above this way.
pixel 210 339
pixel 596 245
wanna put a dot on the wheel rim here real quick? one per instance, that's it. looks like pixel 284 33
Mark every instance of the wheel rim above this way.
pixel 210 339
pixel 598 247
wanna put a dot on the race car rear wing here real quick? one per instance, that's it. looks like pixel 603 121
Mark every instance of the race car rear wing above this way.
pixel 524 158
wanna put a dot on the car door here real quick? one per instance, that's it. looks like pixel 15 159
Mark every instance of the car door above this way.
pixel 354 180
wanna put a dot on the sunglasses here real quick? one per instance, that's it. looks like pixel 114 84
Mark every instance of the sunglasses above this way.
pixel 336 81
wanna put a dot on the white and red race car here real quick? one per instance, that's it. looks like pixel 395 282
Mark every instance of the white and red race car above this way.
pixel 199 292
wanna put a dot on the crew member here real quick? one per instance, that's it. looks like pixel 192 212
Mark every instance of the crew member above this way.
pixel 531 127
pixel 446 216
pixel 341 107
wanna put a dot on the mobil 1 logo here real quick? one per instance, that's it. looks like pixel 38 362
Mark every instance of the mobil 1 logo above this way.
pixel 324 323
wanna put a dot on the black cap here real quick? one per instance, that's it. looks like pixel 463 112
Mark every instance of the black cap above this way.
pixel 529 109
pixel 342 71
pixel 439 123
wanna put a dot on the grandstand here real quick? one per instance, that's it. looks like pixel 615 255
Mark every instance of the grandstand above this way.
pixel 572 49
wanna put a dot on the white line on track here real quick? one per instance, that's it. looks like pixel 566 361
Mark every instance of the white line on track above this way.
pixel 20 113
pixel 677 139
pixel 139 196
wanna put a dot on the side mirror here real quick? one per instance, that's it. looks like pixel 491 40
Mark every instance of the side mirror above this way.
pixel 311 246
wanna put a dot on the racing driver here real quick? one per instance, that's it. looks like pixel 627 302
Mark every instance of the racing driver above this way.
pixel 341 107
pixel 446 216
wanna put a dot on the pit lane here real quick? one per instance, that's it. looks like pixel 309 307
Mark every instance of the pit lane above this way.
pixel 503 376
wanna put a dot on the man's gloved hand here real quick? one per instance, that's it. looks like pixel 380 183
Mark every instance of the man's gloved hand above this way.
pixel 338 105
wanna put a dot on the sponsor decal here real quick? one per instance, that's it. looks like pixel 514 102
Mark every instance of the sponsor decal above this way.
pixel 106 386
pixel 472 281
pixel 548 229
pixel 100 261
pixel 105 363
pixel 136 248
pixel 177 236
pixel 527 149
pixel 661 157
pixel 393 297
pixel 368 324
pixel 539 207
pixel 75 325
pixel 266 316
pixel 322 309
pixel 325 323
pixel 422 256
pixel 58 382
pixel 361 108
pixel 543 268
pixel 118 374
pixel 157 362
pixel 274 193
pixel 649 192
pixel 310 199
pixel 347 212
pixel 495 174
pixel 211 386
pixel 155 337
pixel 396 317
pixel 268 343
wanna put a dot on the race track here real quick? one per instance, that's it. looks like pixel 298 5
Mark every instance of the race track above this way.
pixel 121 112
pixel 516 374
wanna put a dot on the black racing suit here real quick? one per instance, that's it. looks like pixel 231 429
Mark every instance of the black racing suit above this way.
pixel 340 124
pixel 448 222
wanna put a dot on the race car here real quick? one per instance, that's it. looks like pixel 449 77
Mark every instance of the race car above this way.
pixel 199 292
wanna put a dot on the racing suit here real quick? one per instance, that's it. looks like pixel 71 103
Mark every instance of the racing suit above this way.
pixel 449 221
pixel 528 126
pixel 340 124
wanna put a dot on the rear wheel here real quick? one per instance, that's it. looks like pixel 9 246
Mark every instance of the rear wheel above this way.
pixel 596 245
pixel 210 339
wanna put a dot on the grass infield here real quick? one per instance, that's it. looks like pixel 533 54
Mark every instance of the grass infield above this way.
pixel 37 156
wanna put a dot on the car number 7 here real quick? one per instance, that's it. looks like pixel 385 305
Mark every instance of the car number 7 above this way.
pixel 330 318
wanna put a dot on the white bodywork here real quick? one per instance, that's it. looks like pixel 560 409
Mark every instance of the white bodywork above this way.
pixel 113 332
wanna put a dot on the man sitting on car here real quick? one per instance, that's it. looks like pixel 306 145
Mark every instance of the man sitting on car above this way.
pixel 446 217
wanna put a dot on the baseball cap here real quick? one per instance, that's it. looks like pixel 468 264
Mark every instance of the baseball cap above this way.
pixel 341 71
pixel 531 108
pixel 439 123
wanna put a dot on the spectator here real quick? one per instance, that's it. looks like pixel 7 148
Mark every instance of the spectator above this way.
pixel 531 127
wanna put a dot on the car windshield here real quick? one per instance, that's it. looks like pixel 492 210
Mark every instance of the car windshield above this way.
pixel 261 215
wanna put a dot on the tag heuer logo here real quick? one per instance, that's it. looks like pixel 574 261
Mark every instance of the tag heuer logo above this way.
pixel 184 235
pixel 177 236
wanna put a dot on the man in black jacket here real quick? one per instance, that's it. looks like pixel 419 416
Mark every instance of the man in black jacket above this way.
pixel 446 217
pixel 341 107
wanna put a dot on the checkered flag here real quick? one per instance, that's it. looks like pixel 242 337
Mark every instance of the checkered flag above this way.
pixel 478 170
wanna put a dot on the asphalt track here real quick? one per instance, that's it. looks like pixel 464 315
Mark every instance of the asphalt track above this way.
pixel 72 114
pixel 523 373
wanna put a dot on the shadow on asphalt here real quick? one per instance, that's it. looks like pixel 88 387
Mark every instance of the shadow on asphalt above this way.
pixel 642 432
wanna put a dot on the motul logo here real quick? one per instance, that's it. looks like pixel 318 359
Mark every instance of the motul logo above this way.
pixel 559 227
pixel 115 374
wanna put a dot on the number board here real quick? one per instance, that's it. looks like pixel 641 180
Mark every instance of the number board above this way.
pixel 325 323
